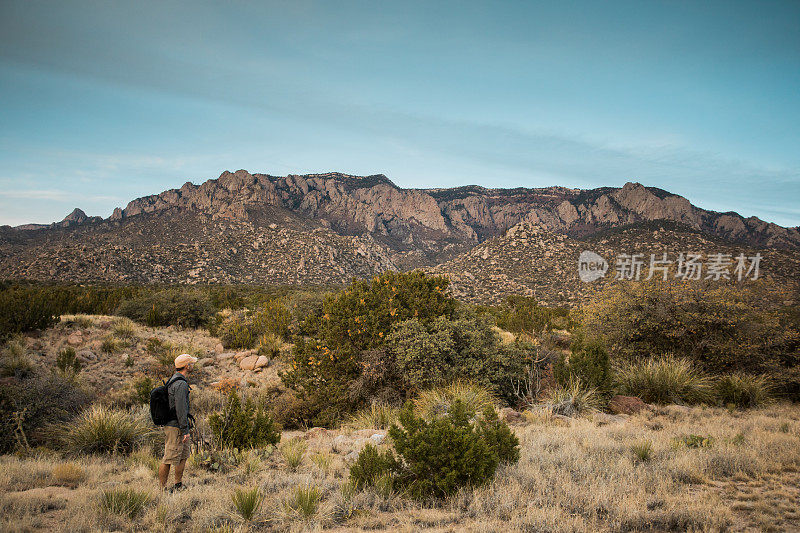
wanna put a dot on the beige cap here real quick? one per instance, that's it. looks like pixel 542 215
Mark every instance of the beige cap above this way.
pixel 184 359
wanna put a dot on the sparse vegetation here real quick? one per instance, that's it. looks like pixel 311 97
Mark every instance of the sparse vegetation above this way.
pixel 124 501
pixel 303 503
pixel 247 502
pixel 247 426
pixel 293 452
pixel 66 360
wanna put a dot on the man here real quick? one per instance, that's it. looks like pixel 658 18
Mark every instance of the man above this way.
pixel 177 444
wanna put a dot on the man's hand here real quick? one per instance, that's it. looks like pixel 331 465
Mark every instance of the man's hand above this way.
pixel 185 437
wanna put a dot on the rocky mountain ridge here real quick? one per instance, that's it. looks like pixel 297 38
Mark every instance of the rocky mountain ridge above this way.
pixel 329 228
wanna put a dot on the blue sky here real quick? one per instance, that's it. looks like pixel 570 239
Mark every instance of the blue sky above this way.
pixel 102 102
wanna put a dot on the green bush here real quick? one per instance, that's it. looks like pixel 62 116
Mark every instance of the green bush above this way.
pixel 102 429
pixel 742 390
pixel 248 426
pixel 449 452
pixel 326 370
pixel 665 380
pixel 178 307
pixel 444 350
pixel 28 406
pixel 371 465
pixel 25 309
pixel 66 360
pixel 522 314
pixel 588 362
pixel 243 329
pixel 719 327
pixel 498 436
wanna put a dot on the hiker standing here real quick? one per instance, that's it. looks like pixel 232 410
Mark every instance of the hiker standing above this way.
pixel 177 445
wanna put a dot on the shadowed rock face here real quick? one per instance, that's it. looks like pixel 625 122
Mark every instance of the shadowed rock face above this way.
pixel 335 217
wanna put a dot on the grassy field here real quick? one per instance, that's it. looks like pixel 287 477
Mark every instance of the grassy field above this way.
pixel 667 469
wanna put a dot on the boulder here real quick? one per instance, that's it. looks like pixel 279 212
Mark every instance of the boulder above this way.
pixel 75 339
pixel 378 438
pixel 219 348
pixel 249 362
pixel 261 362
pixel 351 457
pixel 86 356
pixel 225 355
pixel 313 433
pixel 626 405
pixel 340 443
pixel 509 415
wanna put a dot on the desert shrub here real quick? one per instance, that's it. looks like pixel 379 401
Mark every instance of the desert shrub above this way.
pixel 376 416
pixel 438 400
pixel 124 502
pixel 330 371
pixel 742 390
pixel 66 361
pixel 322 460
pixel 123 327
pixel 720 327
pixel 28 406
pixel 572 399
pixel 303 502
pixel 102 429
pixel 246 328
pixel 269 345
pixel 441 455
pixel 68 473
pixel 664 380
pixel 272 317
pixel 693 441
pixel 467 347
pixel 306 310
pixel 178 307
pixel 24 309
pixel 293 452
pixel 109 345
pixel 588 362
pixel 642 451
pixel 237 332
pixel 238 426
pixel 523 314
pixel 218 461
pixel 371 465
pixel 498 436
pixel 247 502
pixel 14 361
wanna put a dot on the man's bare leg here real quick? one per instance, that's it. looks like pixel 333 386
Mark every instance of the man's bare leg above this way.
pixel 178 471
pixel 163 474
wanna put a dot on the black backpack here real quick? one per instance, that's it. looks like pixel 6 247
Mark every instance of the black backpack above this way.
pixel 159 403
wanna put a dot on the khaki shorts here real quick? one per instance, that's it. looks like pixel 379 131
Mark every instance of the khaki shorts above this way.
pixel 176 450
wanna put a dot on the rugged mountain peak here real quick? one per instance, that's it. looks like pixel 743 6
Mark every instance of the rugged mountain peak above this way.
pixel 76 216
